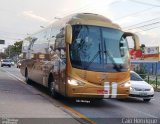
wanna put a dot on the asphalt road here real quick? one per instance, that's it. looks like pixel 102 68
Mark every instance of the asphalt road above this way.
pixel 107 111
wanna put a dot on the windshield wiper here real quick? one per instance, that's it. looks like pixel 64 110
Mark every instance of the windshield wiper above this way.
pixel 107 53
pixel 95 56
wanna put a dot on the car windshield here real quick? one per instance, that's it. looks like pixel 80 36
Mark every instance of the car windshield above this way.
pixel 6 60
pixel 135 77
pixel 99 49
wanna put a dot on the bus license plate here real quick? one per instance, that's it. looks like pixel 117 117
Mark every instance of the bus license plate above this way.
pixel 102 91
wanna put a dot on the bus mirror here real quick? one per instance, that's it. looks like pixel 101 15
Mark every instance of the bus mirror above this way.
pixel 136 42
pixel 135 39
pixel 68 34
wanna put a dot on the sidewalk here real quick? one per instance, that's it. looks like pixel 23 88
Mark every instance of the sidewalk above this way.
pixel 22 102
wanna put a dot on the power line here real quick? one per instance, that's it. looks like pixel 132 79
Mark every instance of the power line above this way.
pixel 146 25
pixel 11 33
pixel 147 29
pixel 138 12
pixel 151 28
pixel 86 8
pixel 10 38
pixel 142 22
pixel 144 3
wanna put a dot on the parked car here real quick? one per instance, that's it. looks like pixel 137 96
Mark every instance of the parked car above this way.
pixel 6 62
pixel 140 88
pixel 19 64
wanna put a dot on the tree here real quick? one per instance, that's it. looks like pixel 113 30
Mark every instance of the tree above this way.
pixel 17 47
pixel 14 50
pixel 3 55
pixel 142 47
pixel 142 71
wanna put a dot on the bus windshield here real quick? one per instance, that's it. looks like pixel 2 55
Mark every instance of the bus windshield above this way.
pixel 100 49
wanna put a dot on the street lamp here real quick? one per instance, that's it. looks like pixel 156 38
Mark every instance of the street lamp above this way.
pixel 57 18
pixel 42 26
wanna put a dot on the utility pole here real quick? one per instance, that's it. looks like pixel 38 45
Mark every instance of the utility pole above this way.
pixel 9 50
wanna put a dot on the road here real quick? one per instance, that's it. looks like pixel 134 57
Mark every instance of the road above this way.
pixel 104 111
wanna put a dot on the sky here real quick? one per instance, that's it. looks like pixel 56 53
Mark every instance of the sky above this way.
pixel 19 18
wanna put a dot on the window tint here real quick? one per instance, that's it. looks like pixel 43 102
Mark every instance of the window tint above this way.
pixel 99 49
pixel 135 77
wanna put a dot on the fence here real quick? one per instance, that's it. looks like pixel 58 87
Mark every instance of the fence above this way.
pixel 154 80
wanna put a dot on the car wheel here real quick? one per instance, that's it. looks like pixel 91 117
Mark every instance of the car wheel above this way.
pixel 1 65
pixel 146 100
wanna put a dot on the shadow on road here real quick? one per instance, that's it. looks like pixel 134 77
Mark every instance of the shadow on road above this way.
pixel 107 103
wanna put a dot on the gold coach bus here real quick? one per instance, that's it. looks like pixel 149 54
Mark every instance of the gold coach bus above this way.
pixel 81 56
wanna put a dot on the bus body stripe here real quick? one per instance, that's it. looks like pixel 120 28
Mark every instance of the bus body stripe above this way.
pixel 106 88
pixel 114 90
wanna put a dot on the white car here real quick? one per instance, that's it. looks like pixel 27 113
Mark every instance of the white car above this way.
pixel 6 62
pixel 139 88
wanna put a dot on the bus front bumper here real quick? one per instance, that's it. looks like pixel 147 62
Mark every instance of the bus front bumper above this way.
pixel 98 92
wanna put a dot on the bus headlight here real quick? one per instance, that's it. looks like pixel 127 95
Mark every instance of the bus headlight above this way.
pixel 126 84
pixel 75 82
pixel 132 89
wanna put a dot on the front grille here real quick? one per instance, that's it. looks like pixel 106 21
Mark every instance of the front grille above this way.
pixel 139 89
pixel 133 95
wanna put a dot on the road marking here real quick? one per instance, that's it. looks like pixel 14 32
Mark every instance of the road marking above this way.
pixel 79 114
pixel 15 77
pixel 65 106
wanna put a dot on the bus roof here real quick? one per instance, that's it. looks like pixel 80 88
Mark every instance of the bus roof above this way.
pixel 91 19
pixel 84 19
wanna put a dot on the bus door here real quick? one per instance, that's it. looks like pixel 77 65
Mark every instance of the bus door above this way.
pixel 60 71
pixel 60 50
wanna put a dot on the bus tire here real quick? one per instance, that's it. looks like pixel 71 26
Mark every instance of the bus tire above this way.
pixel 28 81
pixel 51 86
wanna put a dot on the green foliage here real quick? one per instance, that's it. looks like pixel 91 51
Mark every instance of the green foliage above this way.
pixel 142 47
pixel 14 50
pixel 141 71
pixel 3 55
pixel 17 47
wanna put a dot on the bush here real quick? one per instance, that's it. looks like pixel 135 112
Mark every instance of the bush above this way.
pixel 142 71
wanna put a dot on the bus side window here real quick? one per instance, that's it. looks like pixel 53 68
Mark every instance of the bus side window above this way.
pixel 60 45
pixel 59 41
pixel 123 46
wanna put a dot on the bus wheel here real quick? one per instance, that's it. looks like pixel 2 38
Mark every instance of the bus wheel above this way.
pixel 52 88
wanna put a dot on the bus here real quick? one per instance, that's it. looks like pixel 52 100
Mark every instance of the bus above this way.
pixel 83 55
